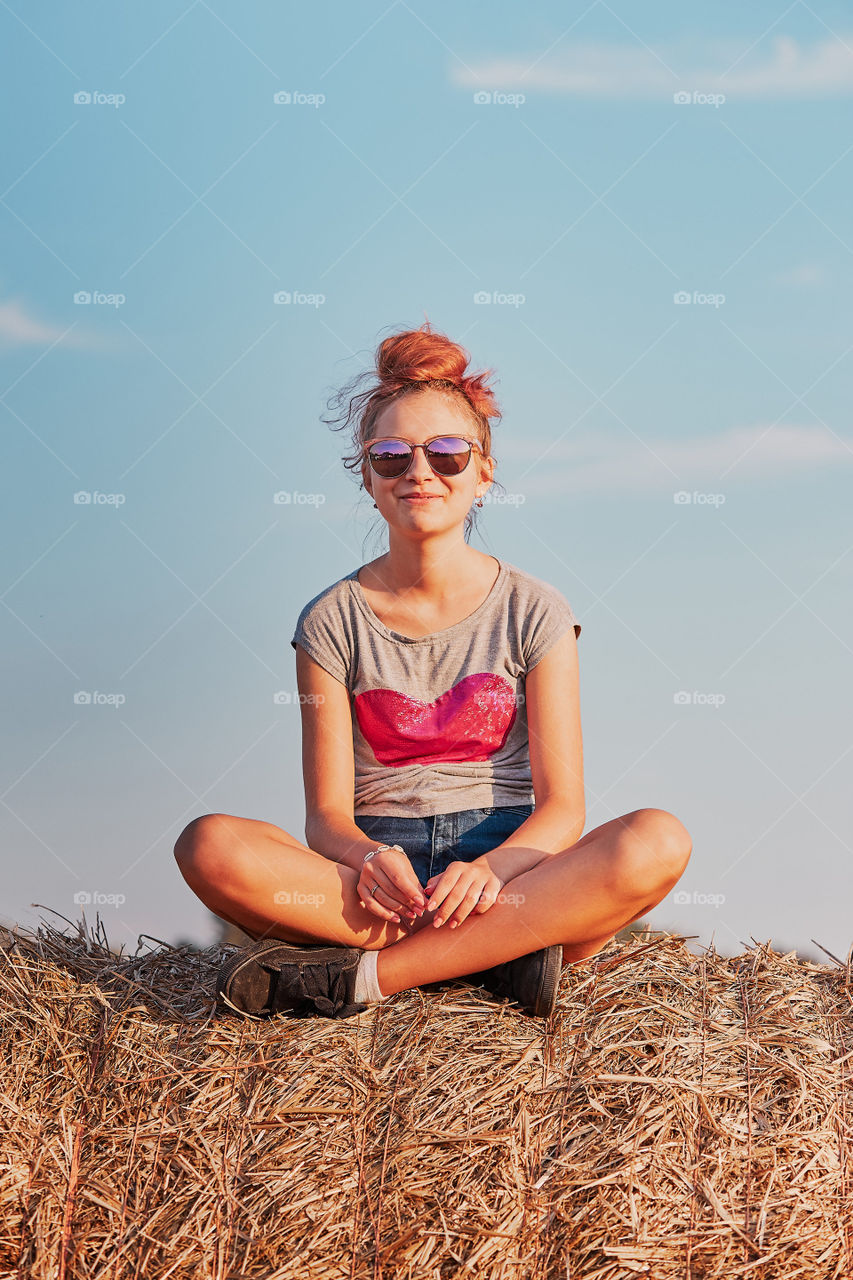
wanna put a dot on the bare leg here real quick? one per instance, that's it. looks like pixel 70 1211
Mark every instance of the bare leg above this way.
pixel 271 885
pixel 578 898
pixel 262 879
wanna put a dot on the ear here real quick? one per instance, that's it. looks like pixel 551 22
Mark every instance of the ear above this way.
pixel 487 475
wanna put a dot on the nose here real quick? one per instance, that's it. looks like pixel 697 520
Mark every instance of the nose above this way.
pixel 418 468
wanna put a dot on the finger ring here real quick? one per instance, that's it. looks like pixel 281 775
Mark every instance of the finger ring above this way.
pixel 373 890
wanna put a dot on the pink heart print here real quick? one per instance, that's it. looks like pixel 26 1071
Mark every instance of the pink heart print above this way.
pixel 471 721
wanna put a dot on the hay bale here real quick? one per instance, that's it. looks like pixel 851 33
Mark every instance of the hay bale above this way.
pixel 681 1116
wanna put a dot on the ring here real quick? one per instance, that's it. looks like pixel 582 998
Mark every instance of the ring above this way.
pixel 373 890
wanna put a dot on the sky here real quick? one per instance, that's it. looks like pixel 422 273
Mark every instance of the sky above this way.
pixel 638 217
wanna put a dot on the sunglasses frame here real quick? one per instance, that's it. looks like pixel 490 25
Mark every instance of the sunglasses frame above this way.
pixel 472 444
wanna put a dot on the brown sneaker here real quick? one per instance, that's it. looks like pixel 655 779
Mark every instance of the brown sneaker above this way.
pixel 272 976
pixel 530 981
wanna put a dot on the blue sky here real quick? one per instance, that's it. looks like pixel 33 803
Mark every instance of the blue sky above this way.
pixel 639 219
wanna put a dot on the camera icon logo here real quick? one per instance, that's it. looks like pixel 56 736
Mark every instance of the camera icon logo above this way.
pixel 681 98
pixel 282 298
pixel 82 99
pixel 482 98
pixel 682 698
pixel 681 297
pixel 681 897
pixel 482 297
pixel 82 898
pixel 82 297
pixel 82 698
pixel 282 898
pixel 282 98
pixel 282 698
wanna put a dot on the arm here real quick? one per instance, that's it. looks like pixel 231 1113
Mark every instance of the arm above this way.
pixel 327 766
pixel 556 764
pixel 328 769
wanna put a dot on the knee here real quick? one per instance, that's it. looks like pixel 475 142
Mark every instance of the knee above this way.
pixel 201 844
pixel 658 856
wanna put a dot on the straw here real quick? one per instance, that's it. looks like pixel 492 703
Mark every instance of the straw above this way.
pixel 679 1116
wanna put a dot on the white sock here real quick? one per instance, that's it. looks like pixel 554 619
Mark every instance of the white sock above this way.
pixel 366 983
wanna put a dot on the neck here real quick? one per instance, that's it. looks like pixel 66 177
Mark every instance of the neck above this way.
pixel 433 567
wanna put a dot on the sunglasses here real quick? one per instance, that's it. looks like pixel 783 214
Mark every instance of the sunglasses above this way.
pixel 447 455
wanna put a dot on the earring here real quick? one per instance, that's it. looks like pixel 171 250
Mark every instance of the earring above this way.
pixel 376 506
pixel 479 502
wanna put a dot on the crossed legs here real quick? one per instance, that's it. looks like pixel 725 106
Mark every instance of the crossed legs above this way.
pixel 259 877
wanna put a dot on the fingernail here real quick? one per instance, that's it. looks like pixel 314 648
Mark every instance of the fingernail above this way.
pixel 453 924
pixel 437 922
pixel 396 919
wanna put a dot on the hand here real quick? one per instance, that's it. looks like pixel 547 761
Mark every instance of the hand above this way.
pixel 399 888
pixel 464 887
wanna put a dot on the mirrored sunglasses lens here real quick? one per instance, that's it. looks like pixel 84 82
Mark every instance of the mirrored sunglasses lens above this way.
pixel 449 455
pixel 390 457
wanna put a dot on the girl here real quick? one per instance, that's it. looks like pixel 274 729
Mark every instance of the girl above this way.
pixel 439 700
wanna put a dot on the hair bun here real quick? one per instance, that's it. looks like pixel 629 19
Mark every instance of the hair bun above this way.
pixel 424 355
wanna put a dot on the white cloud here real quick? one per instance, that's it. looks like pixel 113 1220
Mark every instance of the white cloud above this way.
pixel 807 274
pixel 605 70
pixel 607 462
pixel 18 328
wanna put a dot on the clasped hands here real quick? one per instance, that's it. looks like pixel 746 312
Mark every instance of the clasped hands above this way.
pixel 389 888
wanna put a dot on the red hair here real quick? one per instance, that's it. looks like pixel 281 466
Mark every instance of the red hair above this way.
pixel 414 361
pixel 417 358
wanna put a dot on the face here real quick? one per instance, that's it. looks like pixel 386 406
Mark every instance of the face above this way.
pixel 421 499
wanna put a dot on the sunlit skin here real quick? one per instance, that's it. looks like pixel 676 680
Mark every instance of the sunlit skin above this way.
pixel 546 884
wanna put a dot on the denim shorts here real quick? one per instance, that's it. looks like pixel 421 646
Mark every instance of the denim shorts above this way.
pixel 431 844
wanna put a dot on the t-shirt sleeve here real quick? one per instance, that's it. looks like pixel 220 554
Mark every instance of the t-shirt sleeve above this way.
pixel 323 637
pixel 550 617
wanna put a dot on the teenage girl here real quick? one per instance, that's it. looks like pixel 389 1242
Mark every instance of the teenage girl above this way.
pixel 442 751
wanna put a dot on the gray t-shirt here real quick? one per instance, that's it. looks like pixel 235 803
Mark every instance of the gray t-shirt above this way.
pixel 439 723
